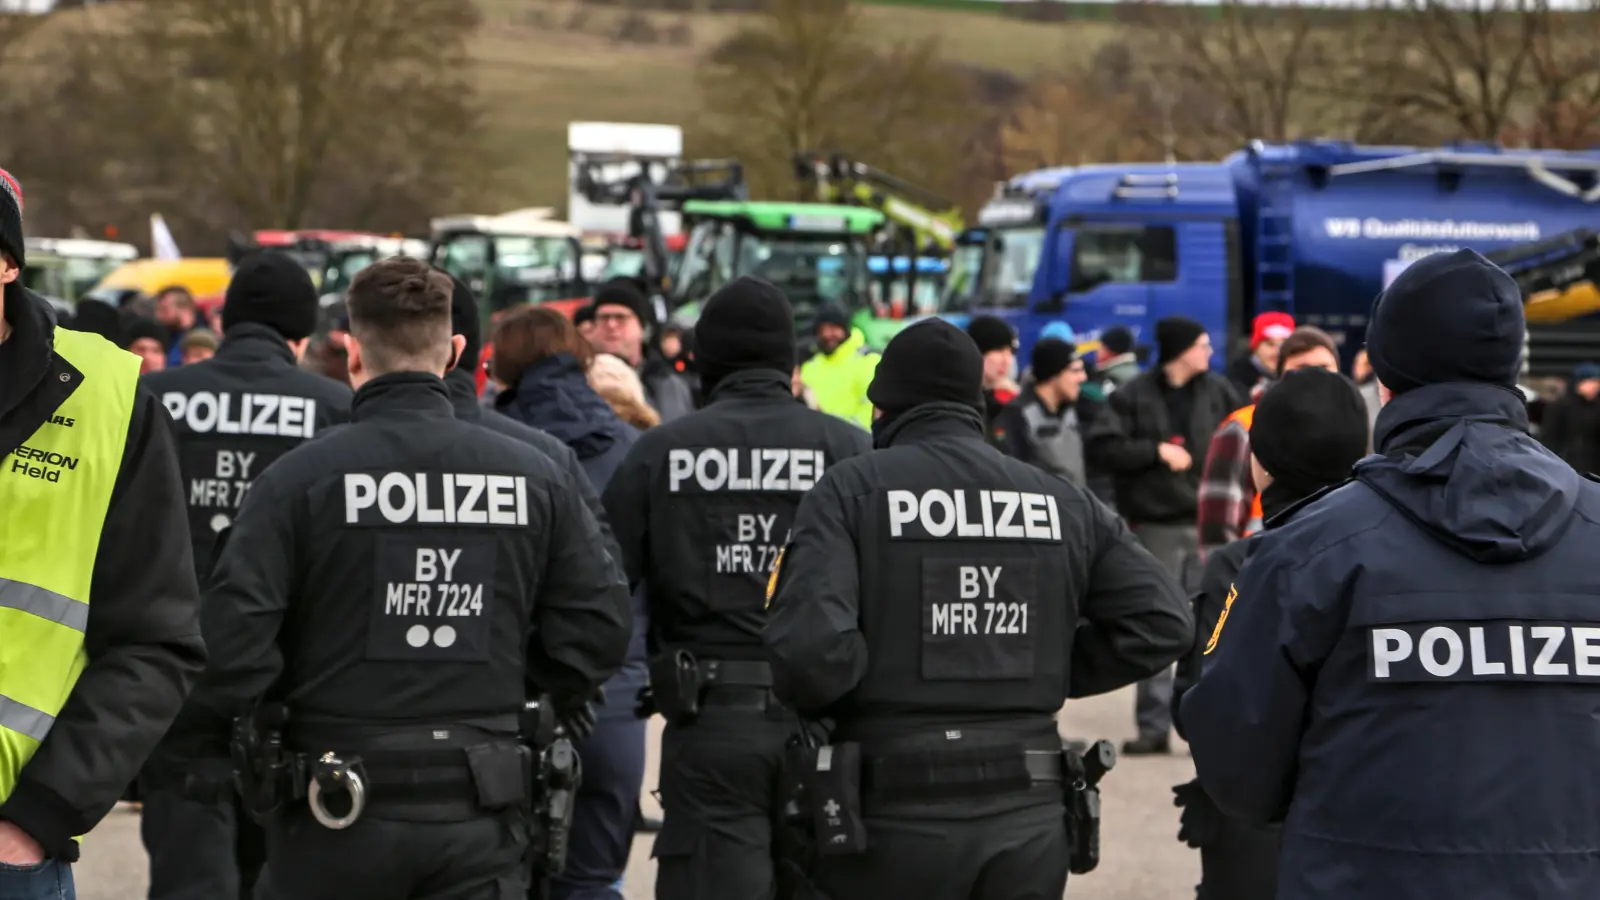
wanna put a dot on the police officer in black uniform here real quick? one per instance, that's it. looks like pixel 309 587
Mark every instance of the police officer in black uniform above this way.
pixel 399 586
pixel 233 414
pixel 938 602
pixel 701 507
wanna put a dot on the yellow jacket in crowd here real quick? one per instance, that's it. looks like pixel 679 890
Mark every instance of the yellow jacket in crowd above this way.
pixel 839 379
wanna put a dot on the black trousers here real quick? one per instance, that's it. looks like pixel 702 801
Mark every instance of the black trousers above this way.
pixel 199 850
pixel 379 859
pixel 719 783
pixel 1017 855
pixel 201 842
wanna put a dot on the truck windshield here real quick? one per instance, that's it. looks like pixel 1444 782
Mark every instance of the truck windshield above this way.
pixel 810 271
pixel 623 262
pixel 343 267
pixel 996 273
pixel 66 277
pixel 516 257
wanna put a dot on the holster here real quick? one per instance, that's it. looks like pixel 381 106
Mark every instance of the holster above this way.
pixel 1083 774
pixel 794 849
pixel 555 774
pixel 676 682
pixel 265 774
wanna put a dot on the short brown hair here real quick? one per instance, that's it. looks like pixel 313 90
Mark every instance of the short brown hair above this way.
pixel 185 298
pixel 400 314
pixel 1303 340
pixel 532 333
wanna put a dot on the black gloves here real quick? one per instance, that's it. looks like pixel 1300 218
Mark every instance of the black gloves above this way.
pixel 1201 821
pixel 645 703
pixel 577 716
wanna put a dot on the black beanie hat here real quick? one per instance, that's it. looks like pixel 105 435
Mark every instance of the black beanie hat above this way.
pixel 928 362
pixel 137 327
pixel 627 293
pixel 1449 317
pixel 831 314
pixel 97 317
pixel 1174 336
pixel 747 324
pixel 1117 340
pixel 1309 429
pixel 464 321
pixel 1051 357
pixel 274 290
pixel 582 314
pixel 991 334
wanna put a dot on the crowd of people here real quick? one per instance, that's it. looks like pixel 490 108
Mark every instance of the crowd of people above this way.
pixel 1167 446
pixel 635 520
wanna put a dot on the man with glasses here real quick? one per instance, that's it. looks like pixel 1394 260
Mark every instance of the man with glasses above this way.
pixel 621 313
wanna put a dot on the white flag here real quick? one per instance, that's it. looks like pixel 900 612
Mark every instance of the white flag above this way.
pixel 162 245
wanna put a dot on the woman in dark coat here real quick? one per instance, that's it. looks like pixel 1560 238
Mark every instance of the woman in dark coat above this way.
pixel 540 364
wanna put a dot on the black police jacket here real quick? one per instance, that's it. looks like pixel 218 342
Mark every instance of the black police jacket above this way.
pixel 236 413
pixel 938 580
pixel 702 505
pixel 1409 670
pixel 411 567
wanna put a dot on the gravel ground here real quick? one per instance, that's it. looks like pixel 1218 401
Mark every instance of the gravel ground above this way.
pixel 1141 858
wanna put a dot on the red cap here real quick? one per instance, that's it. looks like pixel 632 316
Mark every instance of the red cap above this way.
pixel 12 187
pixel 1271 325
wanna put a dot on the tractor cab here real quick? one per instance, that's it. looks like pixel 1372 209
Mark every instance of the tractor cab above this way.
pixel 63 270
pixel 815 253
pixel 520 257
pixel 335 257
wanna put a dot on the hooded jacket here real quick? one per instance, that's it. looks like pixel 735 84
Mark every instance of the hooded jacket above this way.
pixel 1406 672
pixel 554 396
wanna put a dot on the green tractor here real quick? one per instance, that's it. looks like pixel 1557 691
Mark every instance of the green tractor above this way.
pixel 815 252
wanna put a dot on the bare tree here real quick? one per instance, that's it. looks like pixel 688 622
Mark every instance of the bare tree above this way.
pixel 1464 66
pixel 1235 71
pixel 275 106
pixel 1563 91
pixel 806 76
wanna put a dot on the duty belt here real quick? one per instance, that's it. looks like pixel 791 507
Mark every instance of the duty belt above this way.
pixel 947 773
pixel 683 684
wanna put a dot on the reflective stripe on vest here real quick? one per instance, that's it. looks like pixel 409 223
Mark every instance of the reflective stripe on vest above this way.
pixel 1244 416
pixel 54 492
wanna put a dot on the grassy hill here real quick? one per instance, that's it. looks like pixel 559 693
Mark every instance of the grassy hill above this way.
pixel 537 73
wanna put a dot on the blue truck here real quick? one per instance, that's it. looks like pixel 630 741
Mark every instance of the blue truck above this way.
pixel 1313 228
pixel 993 264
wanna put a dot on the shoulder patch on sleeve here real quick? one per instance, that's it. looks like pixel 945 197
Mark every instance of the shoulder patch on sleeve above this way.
pixel 1233 594
pixel 772 579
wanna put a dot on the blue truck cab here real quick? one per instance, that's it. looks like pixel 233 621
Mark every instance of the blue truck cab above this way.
pixel 993 264
pixel 1313 228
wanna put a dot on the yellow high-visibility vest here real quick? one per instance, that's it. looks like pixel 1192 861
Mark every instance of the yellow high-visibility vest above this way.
pixel 54 492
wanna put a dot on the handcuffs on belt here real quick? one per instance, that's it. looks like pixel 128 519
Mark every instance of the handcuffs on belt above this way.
pixel 332 775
